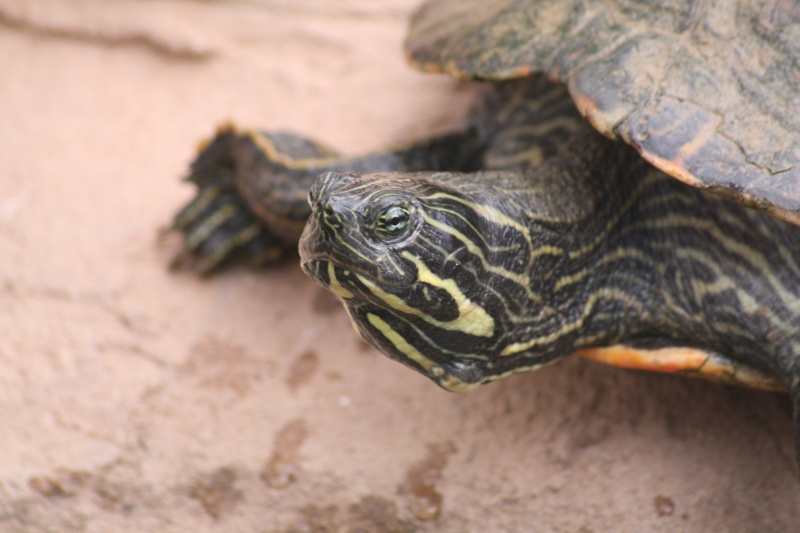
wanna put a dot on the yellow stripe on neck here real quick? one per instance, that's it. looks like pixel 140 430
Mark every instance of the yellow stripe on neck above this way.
pixel 400 343
pixel 472 319
pixel 334 285
pixel 433 370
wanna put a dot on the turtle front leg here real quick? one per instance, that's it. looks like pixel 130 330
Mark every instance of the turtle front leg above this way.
pixel 252 186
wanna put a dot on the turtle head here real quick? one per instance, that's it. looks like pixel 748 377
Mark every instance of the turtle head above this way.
pixel 409 257
pixel 361 227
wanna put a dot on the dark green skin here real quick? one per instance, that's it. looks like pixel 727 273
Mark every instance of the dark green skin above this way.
pixel 585 195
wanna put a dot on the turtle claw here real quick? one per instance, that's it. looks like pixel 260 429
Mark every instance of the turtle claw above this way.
pixel 217 225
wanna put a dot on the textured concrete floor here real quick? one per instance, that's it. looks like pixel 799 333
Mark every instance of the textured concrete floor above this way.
pixel 135 399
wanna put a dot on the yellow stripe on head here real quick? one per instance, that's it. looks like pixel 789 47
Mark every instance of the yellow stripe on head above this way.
pixel 400 343
pixel 472 319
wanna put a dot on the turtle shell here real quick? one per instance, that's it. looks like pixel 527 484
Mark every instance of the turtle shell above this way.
pixel 708 92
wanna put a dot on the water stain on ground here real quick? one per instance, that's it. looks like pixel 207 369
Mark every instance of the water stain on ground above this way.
pixel 371 514
pixel 421 479
pixel 217 492
pixel 223 365
pixel 62 484
pixel 302 370
pixel 664 505
pixel 283 466
pixel 108 495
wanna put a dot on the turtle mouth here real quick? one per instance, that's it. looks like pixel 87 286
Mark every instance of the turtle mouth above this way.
pixel 335 274
pixel 316 269
pixel 320 264
pixel 339 280
pixel 325 266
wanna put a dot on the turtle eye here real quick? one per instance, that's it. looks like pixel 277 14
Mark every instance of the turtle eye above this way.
pixel 393 221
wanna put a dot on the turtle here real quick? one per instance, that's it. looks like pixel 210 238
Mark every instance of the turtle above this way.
pixel 627 188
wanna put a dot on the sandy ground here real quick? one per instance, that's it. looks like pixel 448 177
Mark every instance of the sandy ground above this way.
pixel 136 399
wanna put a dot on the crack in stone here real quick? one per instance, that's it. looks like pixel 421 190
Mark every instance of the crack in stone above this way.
pixel 134 38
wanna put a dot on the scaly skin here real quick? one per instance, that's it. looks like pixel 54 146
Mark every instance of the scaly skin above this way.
pixel 548 247
pixel 495 272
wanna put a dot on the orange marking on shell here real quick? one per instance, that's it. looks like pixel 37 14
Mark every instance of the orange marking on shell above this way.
pixel 429 67
pixel 699 140
pixel 524 71
pixel 673 168
pixel 676 170
pixel 588 108
pixel 453 69
pixel 660 360
pixel 786 215
pixel 682 360
pixel 676 166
